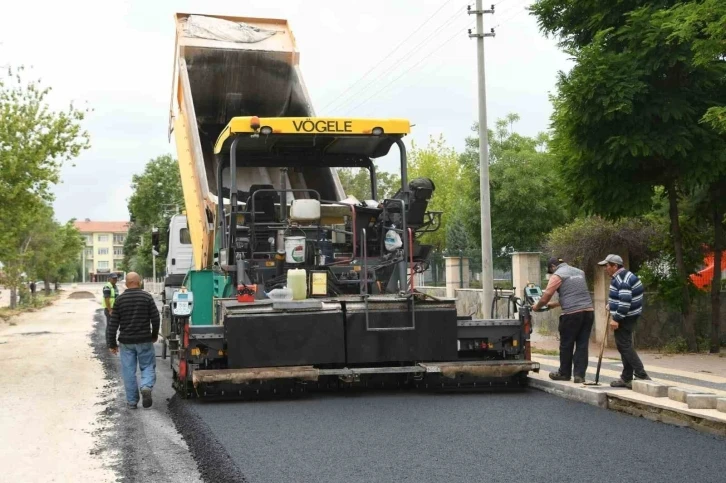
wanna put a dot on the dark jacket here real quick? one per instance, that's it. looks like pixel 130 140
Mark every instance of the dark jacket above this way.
pixel 136 315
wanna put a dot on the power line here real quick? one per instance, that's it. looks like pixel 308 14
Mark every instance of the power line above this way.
pixel 400 44
pixel 406 56
pixel 397 63
pixel 425 58
pixel 510 17
pixel 367 112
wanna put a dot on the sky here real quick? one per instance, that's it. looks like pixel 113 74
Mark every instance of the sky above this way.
pixel 116 58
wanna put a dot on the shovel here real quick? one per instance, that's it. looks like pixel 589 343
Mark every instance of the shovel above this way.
pixel 599 359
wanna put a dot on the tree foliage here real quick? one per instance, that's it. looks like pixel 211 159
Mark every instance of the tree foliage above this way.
pixel 357 182
pixel 627 117
pixel 54 250
pixel 35 142
pixel 439 162
pixel 527 195
pixel 157 195
pixel 587 240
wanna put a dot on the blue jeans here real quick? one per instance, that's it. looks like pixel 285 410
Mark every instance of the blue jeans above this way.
pixel 145 355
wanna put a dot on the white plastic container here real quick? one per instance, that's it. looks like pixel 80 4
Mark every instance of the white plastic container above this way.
pixel 294 249
pixel 281 294
pixel 298 282
pixel 305 210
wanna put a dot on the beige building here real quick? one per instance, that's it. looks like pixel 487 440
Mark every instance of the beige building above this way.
pixel 104 249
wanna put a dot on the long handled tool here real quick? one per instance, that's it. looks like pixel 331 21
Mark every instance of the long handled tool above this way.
pixel 599 359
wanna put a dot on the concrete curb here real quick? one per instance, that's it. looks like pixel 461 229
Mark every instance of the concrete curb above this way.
pixel 667 411
pixel 594 397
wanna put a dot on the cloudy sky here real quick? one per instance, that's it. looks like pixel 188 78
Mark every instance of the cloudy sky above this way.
pixel 117 57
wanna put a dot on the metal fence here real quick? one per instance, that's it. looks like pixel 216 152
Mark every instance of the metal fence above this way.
pixel 154 286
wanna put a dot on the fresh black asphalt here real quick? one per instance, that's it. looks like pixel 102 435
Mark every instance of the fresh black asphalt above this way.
pixel 421 437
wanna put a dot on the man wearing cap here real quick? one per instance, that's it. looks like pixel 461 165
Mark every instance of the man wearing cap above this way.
pixel 625 303
pixel 110 292
pixel 578 316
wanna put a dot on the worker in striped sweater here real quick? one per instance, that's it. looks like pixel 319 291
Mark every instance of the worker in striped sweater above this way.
pixel 625 303
pixel 136 317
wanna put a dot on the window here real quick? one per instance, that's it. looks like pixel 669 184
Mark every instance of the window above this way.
pixel 88 239
pixel 184 237
pixel 103 251
pixel 118 239
pixel 118 251
pixel 103 238
pixel 89 252
pixel 103 264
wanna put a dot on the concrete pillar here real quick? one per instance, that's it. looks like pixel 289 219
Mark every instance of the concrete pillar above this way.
pixel 457 274
pixel 600 300
pixel 526 268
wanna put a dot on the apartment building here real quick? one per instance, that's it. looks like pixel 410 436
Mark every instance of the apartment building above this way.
pixel 104 250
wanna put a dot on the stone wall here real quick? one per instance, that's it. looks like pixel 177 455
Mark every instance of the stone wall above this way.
pixel 658 325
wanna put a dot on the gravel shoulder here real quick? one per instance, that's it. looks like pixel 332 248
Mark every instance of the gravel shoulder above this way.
pixel 51 397
pixel 64 416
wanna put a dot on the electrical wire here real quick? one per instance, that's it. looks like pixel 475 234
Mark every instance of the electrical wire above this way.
pixel 400 60
pixel 507 19
pixel 422 60
pixel 400 44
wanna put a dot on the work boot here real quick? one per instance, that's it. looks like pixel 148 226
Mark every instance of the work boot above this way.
pixel 146 397
pixel 579 380
pixel 556 376
pixel 131 406
pixel 644 377
pixel 621 383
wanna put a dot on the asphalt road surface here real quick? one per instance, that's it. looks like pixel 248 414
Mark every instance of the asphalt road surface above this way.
pixel 148 446
pixel 378 437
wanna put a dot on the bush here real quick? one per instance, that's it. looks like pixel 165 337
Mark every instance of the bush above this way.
pixel 677 345
pixel 586 241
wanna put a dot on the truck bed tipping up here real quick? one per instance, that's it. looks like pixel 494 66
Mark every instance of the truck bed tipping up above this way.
pixel 226 67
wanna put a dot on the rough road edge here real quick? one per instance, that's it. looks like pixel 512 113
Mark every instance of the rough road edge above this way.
pixel 213 461
pixel 666 415
pixel 109 414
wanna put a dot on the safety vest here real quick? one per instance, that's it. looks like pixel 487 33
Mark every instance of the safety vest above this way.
pixel 113 290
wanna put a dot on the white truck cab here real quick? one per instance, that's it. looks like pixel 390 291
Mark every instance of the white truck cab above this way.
pixel 179 255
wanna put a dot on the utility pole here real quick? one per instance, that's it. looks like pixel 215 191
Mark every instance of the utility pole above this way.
pixel 487 275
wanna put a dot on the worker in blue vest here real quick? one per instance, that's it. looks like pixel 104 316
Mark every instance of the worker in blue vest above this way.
pixel 110 292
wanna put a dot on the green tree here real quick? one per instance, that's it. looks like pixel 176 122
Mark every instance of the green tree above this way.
pixel 54 251
pixel 527 195
pixel 157 195
pixel 439 162
pixel 627 116
pixel 702 25
pixel 357 182
pixel 35 142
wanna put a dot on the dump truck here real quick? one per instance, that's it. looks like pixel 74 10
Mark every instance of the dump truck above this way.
pixel 294 286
